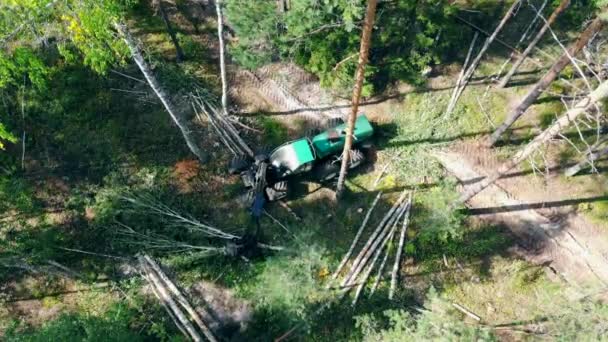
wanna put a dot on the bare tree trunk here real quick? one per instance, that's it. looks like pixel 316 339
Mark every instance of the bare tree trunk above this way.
pixel 160 92
pixel 588 160
pixel 475 63
pixel 549 77
pixel 600 93
pixel 520 60
pixel 366 36
pixel 220 35
pixel 179 53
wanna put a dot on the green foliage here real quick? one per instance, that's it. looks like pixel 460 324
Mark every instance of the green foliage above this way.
pixel 112 326
pixel 323 37
pixel 256 24
pixel 438 322
pixel 89 25
pixel 288 284
pixel 274 132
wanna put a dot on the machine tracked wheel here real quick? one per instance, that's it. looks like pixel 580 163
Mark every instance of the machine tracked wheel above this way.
pixel 238 164
pixel 277 191
pixel 327 171
pixel 356 158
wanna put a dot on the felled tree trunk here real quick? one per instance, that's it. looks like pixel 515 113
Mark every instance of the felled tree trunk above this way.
pixel 366 36
pixel 549 77
pixel 159 91
pixel 600 93
pixel 520 60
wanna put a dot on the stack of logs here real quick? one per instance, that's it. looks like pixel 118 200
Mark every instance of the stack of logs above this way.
pixel 380 241
pixel 174 302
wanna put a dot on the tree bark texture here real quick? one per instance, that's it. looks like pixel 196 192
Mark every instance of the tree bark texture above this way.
pixel 368 25
pixel 549 77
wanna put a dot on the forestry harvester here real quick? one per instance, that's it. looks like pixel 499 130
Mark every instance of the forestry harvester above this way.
pixel 319 155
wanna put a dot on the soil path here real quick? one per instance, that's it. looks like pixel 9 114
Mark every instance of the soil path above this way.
pixel 549 230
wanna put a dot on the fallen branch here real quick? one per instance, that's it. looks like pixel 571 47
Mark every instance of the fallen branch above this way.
pixel 384 168
pixel 466 311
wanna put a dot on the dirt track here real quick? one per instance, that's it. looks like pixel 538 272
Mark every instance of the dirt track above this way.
pixel 550 234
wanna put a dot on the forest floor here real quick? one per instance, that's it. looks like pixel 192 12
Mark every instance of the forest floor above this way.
pixel 499 268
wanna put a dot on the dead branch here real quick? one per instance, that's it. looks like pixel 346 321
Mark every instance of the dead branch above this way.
pixel 466 311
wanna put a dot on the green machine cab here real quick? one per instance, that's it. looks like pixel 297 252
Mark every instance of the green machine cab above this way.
pixel 319 154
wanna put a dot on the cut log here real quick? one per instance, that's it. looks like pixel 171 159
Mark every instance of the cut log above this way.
pixel 372 238
pixel 466 311
pixel 380 272
pixel 181 299
pixel 591 100
pixel 357 237
pixel 181 123
pixel 471 70
pixel 397 263
pixel 372 264
pixel 549 77
pixel 168 300
pixel 367 254
pixel 157 294
pixel 520 60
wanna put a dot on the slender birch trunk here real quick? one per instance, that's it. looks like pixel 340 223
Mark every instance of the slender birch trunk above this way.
pixel 520 60
pixel 549 77
pixel 160 92
pixel 220 35
pixel 600 93
pixel 368 25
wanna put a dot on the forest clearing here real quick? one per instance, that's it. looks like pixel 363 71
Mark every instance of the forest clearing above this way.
pixel 303 170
